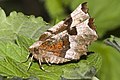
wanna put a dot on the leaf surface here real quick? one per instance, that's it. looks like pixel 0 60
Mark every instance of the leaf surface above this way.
pixel 18 23
pixel 110 61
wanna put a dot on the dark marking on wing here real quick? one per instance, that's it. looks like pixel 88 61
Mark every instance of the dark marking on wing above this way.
pixel 84 7
pixel 65 26
pixel 44 37
pixel 66 45
pixel 72 31
pixel 60 29
pixel 91 24
pixel 68 21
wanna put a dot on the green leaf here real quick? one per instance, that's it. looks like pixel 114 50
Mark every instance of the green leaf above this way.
pixel 18 23
pixel 110 63
pixel 24 42
pixel 9 68
pixel 82 72
pixel 13 51
pixel 11 54
pixel 114 42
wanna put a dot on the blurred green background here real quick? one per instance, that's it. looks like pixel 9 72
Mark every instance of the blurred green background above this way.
pixel 107 20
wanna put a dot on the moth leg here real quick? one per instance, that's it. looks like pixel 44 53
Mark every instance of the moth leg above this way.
pixel 41 65
pixel 30 63
pixel 47 62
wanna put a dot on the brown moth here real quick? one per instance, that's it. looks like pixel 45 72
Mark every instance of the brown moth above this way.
pixel 68 40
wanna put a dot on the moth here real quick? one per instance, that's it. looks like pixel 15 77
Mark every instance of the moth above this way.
pixel 67 40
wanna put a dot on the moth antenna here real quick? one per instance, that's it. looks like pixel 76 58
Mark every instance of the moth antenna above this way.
pixel 30 63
